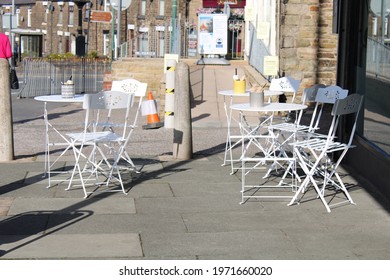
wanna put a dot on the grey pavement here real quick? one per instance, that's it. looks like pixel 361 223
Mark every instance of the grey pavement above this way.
pixel 176 209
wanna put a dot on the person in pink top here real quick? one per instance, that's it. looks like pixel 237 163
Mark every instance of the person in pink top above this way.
pixel 5 47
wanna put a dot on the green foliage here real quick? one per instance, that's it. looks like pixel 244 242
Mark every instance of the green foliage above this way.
pixel 92 54
pixel 67 55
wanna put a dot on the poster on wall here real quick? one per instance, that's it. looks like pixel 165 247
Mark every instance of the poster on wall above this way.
pixel 212 34
pixel 271 65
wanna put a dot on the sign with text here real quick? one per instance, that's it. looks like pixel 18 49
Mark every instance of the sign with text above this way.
pixel 212 34
pixel 271 65
pixel 100 16
pixel 219 3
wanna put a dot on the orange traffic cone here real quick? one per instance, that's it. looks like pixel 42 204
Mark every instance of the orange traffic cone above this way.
pixel 149 108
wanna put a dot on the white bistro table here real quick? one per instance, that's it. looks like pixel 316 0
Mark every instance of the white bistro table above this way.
pixel 49 126
pixel 269 149
pixel 229 94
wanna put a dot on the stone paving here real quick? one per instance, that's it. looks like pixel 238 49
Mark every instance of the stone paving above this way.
pixel 177 209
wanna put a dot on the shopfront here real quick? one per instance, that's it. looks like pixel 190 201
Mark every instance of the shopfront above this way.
pixel 363 67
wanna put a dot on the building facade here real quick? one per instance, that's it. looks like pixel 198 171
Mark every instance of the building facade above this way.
pixel 146 27
pixel 42 28
pixel 299 32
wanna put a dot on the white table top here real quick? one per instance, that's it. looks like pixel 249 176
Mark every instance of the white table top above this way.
pixel 272 92
pixel 78 98
pixel 267 93
pixel 269 107
pixel 230 92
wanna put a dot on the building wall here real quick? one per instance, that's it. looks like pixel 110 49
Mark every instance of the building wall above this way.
pixel 308 49
pixel 57 37
pixel 304 40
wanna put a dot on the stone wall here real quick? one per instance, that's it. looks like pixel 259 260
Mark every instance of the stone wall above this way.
pixel 308 49
pixel 150 71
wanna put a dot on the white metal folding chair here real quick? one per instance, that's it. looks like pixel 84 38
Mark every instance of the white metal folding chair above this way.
pixel 130 86
pixel 308 96
pixel 107 146
pixel 286 133
pixel 285 84
pixel 321 169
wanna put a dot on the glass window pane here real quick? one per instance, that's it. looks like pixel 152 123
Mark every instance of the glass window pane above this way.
pixel 143 8
pixel 377 98
pixel 161 8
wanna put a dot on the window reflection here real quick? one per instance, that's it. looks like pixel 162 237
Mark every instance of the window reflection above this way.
pixel 377 102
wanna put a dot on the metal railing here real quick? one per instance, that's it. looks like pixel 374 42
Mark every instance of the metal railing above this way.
pixel 236 30
pixel 378 59
pixel 45 76
pixel 155 42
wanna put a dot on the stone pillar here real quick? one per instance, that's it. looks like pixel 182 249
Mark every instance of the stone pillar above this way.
pixel 182 133
pixel 6 131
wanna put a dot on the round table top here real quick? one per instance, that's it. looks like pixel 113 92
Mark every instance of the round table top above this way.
pixel 269 107
pixel 230 92
pixel 78 98
pixel 267 93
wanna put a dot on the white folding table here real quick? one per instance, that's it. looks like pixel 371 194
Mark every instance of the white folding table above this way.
pixel 49 126
pixel 228 156
pixel 270 152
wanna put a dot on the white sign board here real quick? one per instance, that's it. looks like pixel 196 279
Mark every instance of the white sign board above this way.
pixel 212 31
pixel 6 19
pixel 271 65
pixel 125 4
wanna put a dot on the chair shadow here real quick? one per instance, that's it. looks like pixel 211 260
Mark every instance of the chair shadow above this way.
pixel 52 116
pixel 40 223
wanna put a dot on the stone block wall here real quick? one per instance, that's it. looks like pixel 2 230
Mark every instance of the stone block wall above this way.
pixel 150 71
pixel 308 49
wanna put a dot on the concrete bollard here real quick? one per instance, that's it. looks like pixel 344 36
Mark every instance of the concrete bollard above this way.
pixel 6 131
pixel 182 133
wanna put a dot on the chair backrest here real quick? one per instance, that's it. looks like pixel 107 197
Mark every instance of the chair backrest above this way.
pixel 309 95
pixel 130 86
pixel 106 101
pixel 330 94
pixel 349 105
pixel 325 95
pixel 285 84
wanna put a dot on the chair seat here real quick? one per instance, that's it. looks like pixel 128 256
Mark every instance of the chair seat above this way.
pixel 319 144
pixel 290 127
pixel 96 137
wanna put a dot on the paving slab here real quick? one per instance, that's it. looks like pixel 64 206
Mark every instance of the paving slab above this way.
pixel 115 223
pixel 177 209
pixel 78 246
pixel 238 244
pixel 247 220
pixel 192 204
pixel 31 190
pixel 70 205
pixel 182 189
